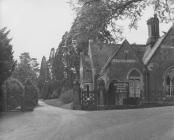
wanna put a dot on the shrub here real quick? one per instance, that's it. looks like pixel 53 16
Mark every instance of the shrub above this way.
pixel 67 96
pixel 31 95
pixel 56 93
pixel 14 90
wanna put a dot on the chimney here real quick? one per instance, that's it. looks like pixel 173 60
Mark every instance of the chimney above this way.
pixel 153 30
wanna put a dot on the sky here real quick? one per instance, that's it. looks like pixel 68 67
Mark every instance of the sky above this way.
pixel 38 25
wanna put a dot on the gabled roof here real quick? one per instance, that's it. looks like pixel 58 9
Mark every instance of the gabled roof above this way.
pixel 138 53
pixel 101 52
pixel 151 50
pixel 139 49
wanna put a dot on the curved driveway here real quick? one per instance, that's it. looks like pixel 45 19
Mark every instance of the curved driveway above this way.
pixel 52 123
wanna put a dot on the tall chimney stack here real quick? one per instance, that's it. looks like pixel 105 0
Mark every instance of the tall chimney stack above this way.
pixel 153 30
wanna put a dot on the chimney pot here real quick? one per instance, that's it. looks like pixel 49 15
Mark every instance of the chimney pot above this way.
pixel 153 30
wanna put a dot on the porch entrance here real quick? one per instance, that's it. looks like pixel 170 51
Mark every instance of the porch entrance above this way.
pixel 118 92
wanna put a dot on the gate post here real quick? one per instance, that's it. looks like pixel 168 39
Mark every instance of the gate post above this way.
pixel 101 94
pixel 76 95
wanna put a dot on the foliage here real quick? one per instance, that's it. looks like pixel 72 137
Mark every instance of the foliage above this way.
pixel 98 19
pixel 31 94
pixel 66 96
pixel 44 75
pixel 7 63
pixel 58 66
pixel 56 93
pixel 6 56
pixel 26 68
pixel 14 91
pixel 65 64
pixel 51 58
pixel 62 66
pixel 48 80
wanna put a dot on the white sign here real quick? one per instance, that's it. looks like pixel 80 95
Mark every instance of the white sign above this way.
pixel 123 61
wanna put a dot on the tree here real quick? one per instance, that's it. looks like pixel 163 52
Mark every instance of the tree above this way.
pixel 65 62
pixel 31 95
pixel 34 65
pixel 50 62
pixel 14 94
pixel 99 20
pixel 7 63
pixel 58 66
pixel 58 71
pixel 44 77
pixel 27 68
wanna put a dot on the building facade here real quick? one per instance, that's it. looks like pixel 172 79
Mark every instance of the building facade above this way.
pixel 129 74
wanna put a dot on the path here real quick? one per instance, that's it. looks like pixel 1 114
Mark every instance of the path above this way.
pixel 53 123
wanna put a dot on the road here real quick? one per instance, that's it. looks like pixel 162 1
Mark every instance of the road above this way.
pixel 52 123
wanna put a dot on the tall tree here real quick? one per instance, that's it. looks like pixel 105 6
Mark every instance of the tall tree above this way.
pixel 64 64
pixel 98 19
pixel 58 66
pixel 27 68
pixel 44 75
pixel 7 63
pixel 50 62
pixel 44 78
pixel 35 65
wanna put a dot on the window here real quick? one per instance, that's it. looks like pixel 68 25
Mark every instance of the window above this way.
pixel 170 86
pixel 134 84
pixel 169 82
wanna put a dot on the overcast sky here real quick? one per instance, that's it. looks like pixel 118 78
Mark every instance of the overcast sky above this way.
pixel 38 25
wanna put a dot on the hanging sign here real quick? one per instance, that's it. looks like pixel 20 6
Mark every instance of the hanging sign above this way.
pixel 121 87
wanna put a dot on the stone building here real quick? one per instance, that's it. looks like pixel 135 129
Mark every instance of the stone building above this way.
pixel 121 74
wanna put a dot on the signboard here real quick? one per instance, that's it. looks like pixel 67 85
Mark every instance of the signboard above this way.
pixel 124 60
pixel 121 87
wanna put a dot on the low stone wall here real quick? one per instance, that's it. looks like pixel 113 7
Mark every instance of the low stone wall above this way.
pixel 112 107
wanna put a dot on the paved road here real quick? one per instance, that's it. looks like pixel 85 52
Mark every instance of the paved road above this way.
pixel 52 123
